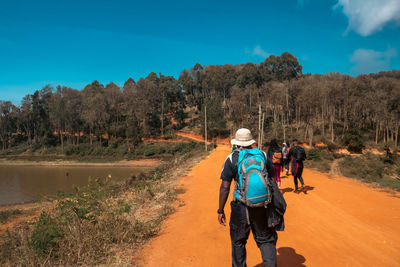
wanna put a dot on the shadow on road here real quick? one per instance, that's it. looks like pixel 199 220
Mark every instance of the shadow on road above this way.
pixel 304 190
pixel 288 257
pixel 286 190
pixel 307 188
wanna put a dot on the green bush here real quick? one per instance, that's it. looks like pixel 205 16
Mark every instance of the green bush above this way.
pixel 6 214
pixel 313 154
pixel 353 141
pixel 319 159
pixel 46 231
pixel 332 146
pixel 71 150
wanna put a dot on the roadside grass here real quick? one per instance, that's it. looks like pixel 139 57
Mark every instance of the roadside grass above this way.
pixel 383 171
pixel 320 159
pixel 5 215
pixel 98 224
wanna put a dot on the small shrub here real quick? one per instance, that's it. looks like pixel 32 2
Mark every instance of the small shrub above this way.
pixel 71 150
pixel 36 146
pixel 45 233
pixel 6 214
pixel 313 154
pixel 332 146
pixel 353 141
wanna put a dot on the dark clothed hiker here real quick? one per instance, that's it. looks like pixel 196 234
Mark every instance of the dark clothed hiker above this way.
pixel 297 155
pixel 286 160
pixel 262 221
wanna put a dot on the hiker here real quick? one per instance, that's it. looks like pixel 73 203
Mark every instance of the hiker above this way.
pixel 275 154
pixel 298 155
pixel 257 205
pixel 286 160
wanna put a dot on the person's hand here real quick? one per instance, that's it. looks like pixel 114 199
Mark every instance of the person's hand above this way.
pixel 222 219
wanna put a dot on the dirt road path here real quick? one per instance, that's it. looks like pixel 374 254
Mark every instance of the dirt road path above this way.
pixel 337 222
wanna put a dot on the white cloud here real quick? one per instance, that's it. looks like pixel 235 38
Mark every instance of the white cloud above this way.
pixel 258 51
pixel 369 61
pixel 369 16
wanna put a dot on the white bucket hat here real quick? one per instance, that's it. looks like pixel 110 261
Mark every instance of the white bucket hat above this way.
pixel 243 137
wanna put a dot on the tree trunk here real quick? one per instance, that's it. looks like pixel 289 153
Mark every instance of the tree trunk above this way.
pixel 306 131
pixel 384 135
pixel 332 130
pixel 259 125
pixel 205 126
pixel 377 132
pixel 323 121
pixel 262 127
pixel 396 135
pixel 162 117
pixel 250 98
pixel 311 135
pixel 91 135
pixel 391 134
pixel 284 129
pixel 387 134
pixel 62 140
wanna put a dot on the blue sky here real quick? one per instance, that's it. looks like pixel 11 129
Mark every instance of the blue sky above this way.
pixel 73 42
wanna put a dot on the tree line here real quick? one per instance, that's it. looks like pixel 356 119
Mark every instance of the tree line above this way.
pixel 328 108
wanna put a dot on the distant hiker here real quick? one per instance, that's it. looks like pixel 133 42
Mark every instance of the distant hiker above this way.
pixel 285 154
pixel 275 154
pixel 298 155
pixel 257 202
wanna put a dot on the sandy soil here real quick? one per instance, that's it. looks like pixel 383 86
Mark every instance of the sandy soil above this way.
pixel 335 222
pixel 29 211
pixel 4 227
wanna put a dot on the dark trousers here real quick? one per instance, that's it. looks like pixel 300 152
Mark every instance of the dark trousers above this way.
pixel 264 236
pixel 286 163
pixel 297 171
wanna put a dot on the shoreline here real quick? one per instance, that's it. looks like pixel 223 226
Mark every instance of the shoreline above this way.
pixel 74 163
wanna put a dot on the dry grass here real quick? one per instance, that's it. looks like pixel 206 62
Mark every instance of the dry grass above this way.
pixel 102 224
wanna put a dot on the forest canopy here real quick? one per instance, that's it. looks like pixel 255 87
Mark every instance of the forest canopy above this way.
pixel 331 108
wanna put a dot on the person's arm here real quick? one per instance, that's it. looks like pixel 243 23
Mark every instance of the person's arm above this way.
pixel 270 169
pixel 227 175
pixel 223 196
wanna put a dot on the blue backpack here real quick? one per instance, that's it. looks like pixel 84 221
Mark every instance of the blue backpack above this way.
pixel 252 188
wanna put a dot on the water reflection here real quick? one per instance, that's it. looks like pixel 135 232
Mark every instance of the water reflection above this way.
pixel 28 183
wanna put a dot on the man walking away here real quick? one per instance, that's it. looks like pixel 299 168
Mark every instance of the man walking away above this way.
pixel 286 160
pixel 257 205
pixel 298 155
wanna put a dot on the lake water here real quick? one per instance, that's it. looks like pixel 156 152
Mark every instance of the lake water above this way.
pixel 20 184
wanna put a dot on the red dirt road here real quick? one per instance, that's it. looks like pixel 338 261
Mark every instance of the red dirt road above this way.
pixel 337 222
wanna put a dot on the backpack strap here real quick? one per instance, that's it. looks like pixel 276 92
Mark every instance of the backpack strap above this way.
pixel 236 164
